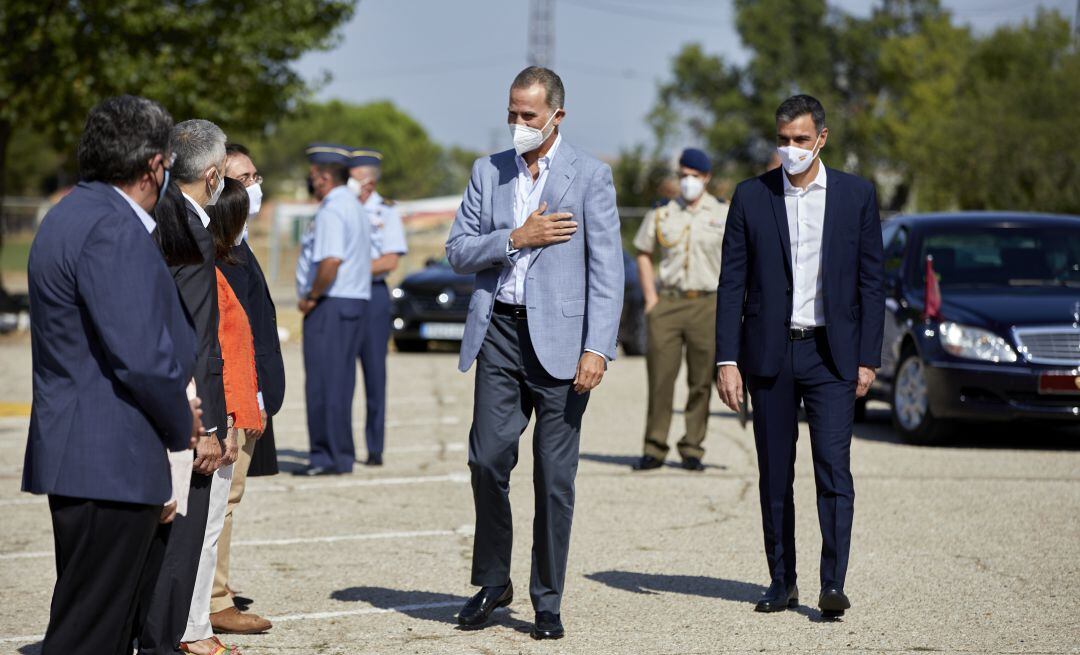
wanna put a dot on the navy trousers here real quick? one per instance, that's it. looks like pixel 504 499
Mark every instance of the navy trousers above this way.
pixel 373 349
pixel 807 375
pixel 510 386
pixel 332 334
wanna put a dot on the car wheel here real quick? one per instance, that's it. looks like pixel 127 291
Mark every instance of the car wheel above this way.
pixel 411 345
pixel 911 413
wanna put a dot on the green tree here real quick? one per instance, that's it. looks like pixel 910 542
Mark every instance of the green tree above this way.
pixel 412 161
pixel 229 62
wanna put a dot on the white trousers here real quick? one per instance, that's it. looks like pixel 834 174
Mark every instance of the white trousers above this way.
pixel 198 623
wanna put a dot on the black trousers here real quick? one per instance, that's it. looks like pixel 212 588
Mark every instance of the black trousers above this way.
pixel 102 550
pixel 510 385
pixel 164 605
pixel 807 375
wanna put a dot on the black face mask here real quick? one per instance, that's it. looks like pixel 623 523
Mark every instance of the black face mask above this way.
pixel 311 185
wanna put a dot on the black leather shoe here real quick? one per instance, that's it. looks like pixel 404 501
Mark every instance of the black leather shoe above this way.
pixel 833 602
pixel 313 471
pixel 647 463
pixel 693 464
pixel 778 598
pixel 374 459
pixel 478 610
pixel 547 626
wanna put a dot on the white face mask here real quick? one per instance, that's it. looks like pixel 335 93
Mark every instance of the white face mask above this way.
pixel 692 187
pixel 216 193
pixel 527 139
pixel 355 185
pixel 797 160
pixel 254 199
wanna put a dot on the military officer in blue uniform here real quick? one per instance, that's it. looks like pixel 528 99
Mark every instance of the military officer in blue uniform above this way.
pixel 333 281
pixel 387 247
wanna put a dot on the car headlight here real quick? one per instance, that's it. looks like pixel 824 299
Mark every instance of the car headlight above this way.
pixel 398 293
pixel 974 343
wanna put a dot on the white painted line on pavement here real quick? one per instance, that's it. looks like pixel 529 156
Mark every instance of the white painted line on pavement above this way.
pixel 366 610
pixel 461 531
pixel 29 638
pixel 369 482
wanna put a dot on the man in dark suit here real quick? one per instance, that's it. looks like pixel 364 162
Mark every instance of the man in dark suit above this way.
pixel 113 352
pixel 800 313
pixel 257 455
pixel 199 147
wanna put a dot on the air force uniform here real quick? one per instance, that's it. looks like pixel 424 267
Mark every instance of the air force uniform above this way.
pixel 387 237
pixel 333 330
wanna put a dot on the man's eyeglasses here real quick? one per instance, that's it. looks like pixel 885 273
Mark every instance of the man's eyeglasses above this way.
pixel 247 179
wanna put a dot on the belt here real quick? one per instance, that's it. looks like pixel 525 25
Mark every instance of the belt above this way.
pixel 517 312
pixel 689 295
pixel 798 334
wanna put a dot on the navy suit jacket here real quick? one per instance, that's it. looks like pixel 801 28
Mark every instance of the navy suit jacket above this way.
pixel 754 299
pixel 113 352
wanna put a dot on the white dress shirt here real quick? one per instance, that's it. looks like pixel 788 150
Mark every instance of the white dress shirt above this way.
pixel 806 223
pixel 203 216
pixel 147 220
pixel 527 194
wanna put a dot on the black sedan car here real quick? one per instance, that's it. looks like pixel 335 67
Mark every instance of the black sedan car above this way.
pixel 1006 343
pixel 430 305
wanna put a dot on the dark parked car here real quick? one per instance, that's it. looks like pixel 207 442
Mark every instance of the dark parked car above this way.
pixel 1007 343
pixel 431 305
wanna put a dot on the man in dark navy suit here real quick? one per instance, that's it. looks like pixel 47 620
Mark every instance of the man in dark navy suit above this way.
pixel 113 352
pixel 800 314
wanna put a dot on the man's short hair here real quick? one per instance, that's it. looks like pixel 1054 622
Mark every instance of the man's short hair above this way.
pixel 338 172
pixel 198 144
pixel 237 149
pixel 122 134
pixel 554 93
pixel 801 105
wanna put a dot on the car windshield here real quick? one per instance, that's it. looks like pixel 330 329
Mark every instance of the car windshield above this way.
pixel 1005 256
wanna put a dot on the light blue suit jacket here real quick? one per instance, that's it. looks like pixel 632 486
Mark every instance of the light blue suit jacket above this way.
pixel 573 290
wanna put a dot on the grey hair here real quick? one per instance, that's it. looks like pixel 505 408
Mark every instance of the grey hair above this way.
pixel 198 145
pixel 554 93
pixel 801 105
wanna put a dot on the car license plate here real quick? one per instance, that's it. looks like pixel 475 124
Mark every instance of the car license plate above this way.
pixel 442 331
pixel 1059 383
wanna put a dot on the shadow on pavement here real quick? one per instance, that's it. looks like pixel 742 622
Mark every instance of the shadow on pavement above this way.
pixel 31 649
pixel 630 460
pixel 418 605
pixel 291 460
pixel 694 585
pixel 1019 435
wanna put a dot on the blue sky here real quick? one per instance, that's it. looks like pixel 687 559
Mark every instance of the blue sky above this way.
pixel 449 63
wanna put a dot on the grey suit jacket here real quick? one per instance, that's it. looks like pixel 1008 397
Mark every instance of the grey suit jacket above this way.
pixel 573 290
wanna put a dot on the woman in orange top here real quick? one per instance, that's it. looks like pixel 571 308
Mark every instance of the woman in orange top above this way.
pixel 245 416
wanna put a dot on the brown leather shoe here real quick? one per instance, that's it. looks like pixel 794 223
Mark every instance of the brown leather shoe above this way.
pixel 234 622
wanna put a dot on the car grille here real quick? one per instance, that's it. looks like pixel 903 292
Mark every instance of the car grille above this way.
pixel 431 304
pixel 1049 345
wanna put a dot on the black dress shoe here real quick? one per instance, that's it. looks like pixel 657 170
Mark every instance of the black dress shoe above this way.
pixel 312 471
pixel 693 464
pixel 778 598
pixel 374 459
pixel 833 602
pixel 647 463
pixel 547 626
pixel 478 609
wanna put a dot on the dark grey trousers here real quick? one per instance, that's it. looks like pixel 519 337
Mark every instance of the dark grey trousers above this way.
pixel 510 385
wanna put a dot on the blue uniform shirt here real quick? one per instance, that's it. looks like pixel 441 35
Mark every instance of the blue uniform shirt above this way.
pixel 342 231
pixel 387 231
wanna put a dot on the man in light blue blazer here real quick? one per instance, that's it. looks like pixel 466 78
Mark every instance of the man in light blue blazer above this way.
pixel 541 328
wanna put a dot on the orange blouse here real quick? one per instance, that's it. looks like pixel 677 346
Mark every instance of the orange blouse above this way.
pixel 238 351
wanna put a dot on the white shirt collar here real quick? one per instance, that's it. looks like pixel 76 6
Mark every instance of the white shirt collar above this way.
pixel 545 161
pixel 818 181
pixel 203 216
pixel 147 220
